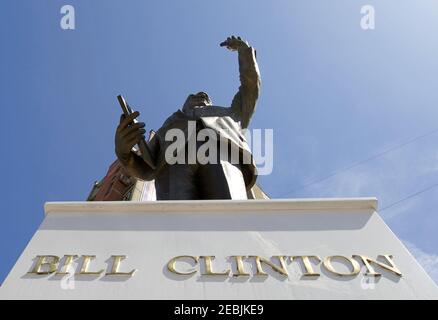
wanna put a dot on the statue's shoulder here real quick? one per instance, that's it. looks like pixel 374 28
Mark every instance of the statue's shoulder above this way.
pixel 174 117
pixel 219 111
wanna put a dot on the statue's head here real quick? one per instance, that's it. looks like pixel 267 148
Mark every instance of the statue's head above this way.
pixel 198 100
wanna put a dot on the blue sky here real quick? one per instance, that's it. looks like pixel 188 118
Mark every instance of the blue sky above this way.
pixel 333 93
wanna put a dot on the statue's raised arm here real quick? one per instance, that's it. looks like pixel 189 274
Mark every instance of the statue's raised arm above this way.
pixel 243 104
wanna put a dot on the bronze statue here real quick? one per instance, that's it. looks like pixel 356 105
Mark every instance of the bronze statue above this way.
pixel 221 179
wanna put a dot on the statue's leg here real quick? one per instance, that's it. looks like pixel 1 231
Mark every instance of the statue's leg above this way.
pixel 177 182
pixel 235 180
pixel 221 181
pixel 212 182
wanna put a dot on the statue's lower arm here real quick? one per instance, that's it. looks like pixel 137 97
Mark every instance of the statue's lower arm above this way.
pixel 245 100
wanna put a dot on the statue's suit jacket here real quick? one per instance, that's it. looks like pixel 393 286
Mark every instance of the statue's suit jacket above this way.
pixel 227 122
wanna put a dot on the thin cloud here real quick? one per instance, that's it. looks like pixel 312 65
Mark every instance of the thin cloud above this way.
pixel 427 260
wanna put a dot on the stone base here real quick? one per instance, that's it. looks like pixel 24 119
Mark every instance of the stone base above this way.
pixel 239 234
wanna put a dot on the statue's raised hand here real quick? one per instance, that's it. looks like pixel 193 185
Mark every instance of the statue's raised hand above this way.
pixel 234 43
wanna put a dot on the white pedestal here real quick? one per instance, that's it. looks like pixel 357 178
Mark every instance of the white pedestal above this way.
pixel 152 233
